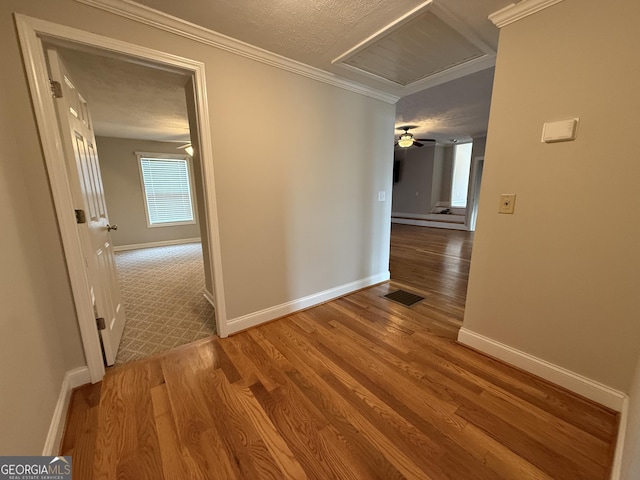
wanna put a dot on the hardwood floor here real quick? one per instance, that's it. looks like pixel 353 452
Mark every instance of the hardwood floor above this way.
pixel 431 260
pixel 358 388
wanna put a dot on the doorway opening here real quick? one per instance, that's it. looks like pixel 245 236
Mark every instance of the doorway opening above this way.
pixel 140 120
pixel 163 295
pixel 435 186
pixel 35 36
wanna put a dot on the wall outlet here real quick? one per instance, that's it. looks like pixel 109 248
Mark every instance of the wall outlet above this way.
pixel 507 203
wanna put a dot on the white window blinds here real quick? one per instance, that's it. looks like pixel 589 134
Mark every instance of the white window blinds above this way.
pixel 167 190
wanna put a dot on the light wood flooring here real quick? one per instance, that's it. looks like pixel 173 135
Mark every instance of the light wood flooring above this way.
pixel 433 261
pixel 358 388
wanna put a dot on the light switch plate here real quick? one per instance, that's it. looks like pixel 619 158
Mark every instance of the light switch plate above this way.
pixel 507 203
pixel 382 196
pixel 562 131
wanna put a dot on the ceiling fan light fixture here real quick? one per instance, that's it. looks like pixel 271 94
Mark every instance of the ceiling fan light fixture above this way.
pixel 406 140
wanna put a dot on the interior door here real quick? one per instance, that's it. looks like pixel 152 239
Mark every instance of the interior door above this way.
pixel 88 195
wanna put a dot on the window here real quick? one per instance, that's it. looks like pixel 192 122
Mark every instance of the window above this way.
pixel 167 188
pixel 461 170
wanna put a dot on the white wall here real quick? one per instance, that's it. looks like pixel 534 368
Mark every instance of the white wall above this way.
pixel 558 279
pixel 297 205
pixel 124 194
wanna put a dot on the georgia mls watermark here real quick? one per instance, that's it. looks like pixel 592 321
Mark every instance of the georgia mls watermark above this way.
pixel 35 468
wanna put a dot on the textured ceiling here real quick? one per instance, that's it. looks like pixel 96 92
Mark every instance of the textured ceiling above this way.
pixel 457 109
pixel 316 32
pixel 134 101
pixel 128 100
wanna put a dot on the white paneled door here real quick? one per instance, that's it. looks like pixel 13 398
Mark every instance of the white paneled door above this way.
pixel 88 197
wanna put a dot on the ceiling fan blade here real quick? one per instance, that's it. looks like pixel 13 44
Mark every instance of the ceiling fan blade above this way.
pixel 418 144
pixel 425 139
pixel 395 144
pixel 406 128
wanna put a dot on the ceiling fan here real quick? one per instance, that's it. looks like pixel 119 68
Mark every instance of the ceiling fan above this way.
pixel 406 139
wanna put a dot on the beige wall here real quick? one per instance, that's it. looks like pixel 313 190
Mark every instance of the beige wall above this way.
pixel 425 179
pixel 558 279
pixel 479 146
pixel 124 195
pixel 413 193
pixel 438 172
pixel 40 338
pixel 297 204
pixel 447 175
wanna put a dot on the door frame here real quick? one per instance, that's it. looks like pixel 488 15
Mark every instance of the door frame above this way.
pixel 31 31
pixel 473 195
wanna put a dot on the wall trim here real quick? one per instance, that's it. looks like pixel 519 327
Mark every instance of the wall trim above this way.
pixel 163 243
pixel 616 467
pixel 177 26
pixel 252 319
pixel 428 223
pixel 575 382
pixel 210 298
pixel 436 217
pixel 72 379
pixel 518 11
pixel 453 73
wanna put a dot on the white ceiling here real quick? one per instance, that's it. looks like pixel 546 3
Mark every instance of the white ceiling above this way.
pixel 135 101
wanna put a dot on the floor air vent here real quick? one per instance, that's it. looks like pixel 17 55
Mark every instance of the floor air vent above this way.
pixel 405 298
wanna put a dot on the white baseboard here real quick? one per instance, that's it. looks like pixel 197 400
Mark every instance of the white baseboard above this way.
pixel 209 296
pixel 251 320
pixel 454 217
pixel 72 379
pixel 428 223
pixel 616 468
pixel 579 384
pixel 164 243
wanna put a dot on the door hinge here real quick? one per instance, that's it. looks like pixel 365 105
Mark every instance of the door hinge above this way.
pixel 56 89
pixel 101 323
pixel 80 216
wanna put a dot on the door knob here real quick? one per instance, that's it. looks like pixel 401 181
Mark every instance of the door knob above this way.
pixel 112 227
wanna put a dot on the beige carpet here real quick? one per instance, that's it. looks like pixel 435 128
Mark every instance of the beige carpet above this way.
pixel 162 291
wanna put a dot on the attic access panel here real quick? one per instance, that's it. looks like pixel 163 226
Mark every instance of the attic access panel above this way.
pixel 424 43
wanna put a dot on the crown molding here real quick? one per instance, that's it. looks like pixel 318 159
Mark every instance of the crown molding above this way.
pixel 518 11
pixel 453 73
pixel 177 26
